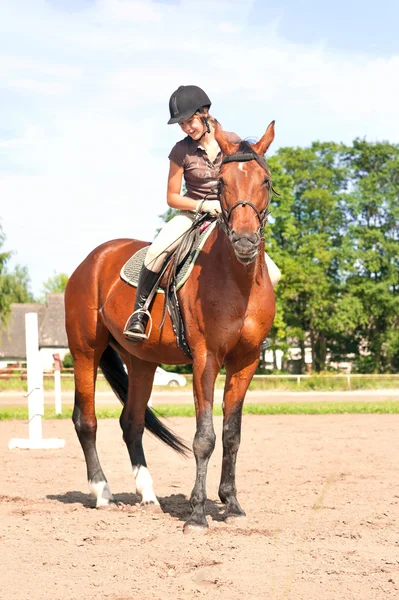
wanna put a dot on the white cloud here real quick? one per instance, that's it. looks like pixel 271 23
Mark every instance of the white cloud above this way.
pixel 125 10
pixel 29 137
pixel 95 179
pixel 228 27
pixel 10 64
pixel 38 87
pixel 144 86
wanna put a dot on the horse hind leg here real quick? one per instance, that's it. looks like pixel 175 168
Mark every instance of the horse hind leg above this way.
pixel 85 421
pixel 132 421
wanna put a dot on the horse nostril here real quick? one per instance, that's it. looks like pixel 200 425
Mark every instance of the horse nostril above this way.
pixel 254 238
pixel 246 239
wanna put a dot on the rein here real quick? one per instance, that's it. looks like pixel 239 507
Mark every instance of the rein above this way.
pixel 245 154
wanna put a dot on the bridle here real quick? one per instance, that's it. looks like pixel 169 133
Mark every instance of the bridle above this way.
pixel 245 153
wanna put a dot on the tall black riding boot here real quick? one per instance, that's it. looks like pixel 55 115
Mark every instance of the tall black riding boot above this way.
pixel 137 322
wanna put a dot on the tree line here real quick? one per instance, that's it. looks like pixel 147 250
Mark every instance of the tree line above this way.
pixel 334 233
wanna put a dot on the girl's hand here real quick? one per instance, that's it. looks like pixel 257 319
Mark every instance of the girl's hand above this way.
pixel 211 207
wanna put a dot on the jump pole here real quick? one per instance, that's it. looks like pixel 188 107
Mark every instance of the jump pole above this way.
pixel 35 392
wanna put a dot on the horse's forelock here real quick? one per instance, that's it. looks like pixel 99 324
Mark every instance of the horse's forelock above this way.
pixel 245 148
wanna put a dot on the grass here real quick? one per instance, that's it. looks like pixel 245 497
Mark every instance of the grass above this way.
pixel 313 383
pixel 187 410
pixel 326 383
pixel 67 384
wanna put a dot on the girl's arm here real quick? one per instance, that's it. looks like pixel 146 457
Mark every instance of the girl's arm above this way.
pixel 174 199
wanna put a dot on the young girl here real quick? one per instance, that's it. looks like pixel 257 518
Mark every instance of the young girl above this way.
pixel 198 158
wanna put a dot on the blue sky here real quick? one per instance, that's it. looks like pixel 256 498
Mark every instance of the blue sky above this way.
pixel 84 90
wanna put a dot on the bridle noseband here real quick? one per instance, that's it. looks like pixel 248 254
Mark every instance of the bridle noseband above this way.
pixel 244 154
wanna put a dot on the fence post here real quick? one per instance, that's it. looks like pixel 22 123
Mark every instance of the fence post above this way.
pixel 35 392
pixel 57 384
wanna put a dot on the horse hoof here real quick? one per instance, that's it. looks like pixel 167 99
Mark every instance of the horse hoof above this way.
pixel 154 507
pixel 232 518
pixel 110 505
pixel 194 529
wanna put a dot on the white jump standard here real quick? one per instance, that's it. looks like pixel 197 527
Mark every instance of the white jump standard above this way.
pixel 35 392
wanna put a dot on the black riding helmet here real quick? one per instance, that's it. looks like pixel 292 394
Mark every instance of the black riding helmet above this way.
pixel 185 102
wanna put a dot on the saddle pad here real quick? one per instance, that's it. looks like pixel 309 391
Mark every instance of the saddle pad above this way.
pixel 131 269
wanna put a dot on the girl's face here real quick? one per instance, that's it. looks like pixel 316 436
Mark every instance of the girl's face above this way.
pixel 193 127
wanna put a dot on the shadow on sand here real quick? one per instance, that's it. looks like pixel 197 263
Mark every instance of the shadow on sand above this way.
pixel 175 505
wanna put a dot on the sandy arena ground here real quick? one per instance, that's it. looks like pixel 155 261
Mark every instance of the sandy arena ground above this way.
pixel 321 495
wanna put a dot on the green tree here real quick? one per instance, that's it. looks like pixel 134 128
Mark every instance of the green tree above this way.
pixel 18 285
pixel 335 236
pixel 5 300
pixel 56 283
pixel 14 285
pixel 308 243
pixel 67 363
pixel 372 269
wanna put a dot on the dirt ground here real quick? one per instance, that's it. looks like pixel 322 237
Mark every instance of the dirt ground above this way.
pixel 321 495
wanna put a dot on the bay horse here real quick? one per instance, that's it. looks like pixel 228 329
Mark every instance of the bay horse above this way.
pixel 228 309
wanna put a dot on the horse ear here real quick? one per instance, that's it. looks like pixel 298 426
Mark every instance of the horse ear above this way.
pixel 265 141
pixel 226 147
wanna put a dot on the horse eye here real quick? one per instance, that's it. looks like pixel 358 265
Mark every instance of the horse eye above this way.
pixel 267 183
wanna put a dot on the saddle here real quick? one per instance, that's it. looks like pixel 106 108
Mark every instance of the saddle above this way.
pixel 174 274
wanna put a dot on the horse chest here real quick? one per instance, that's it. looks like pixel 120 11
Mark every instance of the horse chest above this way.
pixel 257 320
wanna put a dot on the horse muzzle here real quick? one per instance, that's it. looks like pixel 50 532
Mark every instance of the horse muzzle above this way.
pixel 246 247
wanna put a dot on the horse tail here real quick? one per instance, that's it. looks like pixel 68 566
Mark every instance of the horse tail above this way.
pixel 114 372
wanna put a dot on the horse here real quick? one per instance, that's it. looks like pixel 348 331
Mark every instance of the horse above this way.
pixel 228 308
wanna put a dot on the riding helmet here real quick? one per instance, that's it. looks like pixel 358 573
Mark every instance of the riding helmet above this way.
pixel 185 101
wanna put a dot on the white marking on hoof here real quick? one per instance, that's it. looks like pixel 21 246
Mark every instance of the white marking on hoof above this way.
pixel 234 519
pixel 190 529
pixel 101 491
pixel 144 485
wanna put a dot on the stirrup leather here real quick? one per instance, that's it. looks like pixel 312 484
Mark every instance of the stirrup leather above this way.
pixel 142 336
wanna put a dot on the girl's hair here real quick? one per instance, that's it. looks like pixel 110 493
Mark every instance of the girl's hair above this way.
pixel 211 119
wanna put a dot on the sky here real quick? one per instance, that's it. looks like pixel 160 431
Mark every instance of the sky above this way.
pixel 85 86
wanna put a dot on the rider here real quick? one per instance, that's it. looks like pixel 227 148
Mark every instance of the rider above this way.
pixel 198 158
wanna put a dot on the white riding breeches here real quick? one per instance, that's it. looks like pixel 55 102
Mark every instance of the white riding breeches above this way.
pixel 169 237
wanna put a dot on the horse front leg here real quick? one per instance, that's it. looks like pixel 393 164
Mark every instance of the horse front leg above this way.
pixel 204 375
pixel 238 378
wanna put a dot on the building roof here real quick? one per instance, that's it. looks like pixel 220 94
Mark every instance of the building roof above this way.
pixel 51 317
pixel 52 331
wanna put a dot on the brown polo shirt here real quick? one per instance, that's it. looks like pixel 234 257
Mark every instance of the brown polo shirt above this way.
pixel 200 174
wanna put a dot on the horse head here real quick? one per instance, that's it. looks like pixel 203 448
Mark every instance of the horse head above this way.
pixel 244 192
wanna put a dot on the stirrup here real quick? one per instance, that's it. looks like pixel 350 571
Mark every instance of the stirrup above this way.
pixel 140 336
